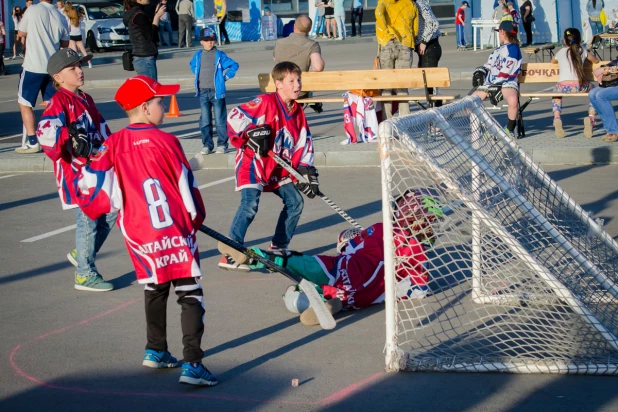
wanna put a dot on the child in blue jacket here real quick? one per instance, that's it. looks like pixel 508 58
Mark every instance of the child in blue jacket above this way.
pixel 212 68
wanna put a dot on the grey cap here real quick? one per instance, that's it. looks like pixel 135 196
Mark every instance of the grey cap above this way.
pixel 64 58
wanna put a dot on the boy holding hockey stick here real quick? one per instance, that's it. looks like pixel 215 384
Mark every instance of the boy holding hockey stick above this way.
pixel 355 276
pixel 271 122
pixel 72 112
pixel 143 172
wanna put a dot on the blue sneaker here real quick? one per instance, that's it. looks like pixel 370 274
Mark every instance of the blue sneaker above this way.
pixel 158 360
pixel 197 374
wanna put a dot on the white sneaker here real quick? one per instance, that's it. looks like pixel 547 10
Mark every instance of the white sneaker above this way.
pixel 90 65
pixel 28 149
pixel 220 150
pixel 206 151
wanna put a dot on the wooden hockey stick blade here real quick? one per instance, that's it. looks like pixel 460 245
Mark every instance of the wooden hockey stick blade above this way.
pixel 237 256
pixel 326 319
pixel 309 318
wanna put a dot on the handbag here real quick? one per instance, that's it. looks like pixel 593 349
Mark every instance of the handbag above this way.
pixel 603 18
pixel 609 80
pixel 127 58
pixel 370 92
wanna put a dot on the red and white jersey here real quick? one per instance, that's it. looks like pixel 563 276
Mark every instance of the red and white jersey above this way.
pixel 359 111
pixel 291 140
pixel 142 172
pixel 357 275
pixel 64 108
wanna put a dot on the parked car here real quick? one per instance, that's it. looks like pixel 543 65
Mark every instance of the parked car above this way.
pixel 102 26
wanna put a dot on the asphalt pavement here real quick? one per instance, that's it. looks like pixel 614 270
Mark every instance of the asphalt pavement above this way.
pixel 66 350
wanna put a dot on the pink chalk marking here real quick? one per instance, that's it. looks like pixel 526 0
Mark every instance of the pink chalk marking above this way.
pixel 338 396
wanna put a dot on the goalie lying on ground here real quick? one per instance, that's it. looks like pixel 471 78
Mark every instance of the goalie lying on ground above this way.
pixel 354 278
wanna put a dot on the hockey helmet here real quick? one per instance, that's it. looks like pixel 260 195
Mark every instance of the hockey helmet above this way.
pixel 345 237
pixel 415 211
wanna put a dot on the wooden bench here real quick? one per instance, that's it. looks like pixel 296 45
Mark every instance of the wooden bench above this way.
pixel 547 74
pixel 546 49
pixel 342 81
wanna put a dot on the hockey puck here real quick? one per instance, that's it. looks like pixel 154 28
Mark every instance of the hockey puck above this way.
pixel 294 383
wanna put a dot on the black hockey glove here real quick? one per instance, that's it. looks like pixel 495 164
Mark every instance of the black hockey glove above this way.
pixel 82 146
pixel 479 76
pixel 312 188
pixel 259 139
pixel 495 94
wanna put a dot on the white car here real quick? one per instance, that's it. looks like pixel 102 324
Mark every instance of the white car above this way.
pixel 102 26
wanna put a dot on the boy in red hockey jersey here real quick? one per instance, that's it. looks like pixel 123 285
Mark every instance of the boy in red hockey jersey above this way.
pixel 72 111
pixel 356 274
pixel 142 172
pixel 271 122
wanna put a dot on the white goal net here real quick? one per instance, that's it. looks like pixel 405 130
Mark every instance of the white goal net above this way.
pixel 521 278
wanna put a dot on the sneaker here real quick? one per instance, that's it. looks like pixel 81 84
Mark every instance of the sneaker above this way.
pixel 4 58
pixel 158 360
pixel 610 138
pixel 197 374
pixel 221 150
pixel 207 151
pixel 90 65
pixel 227 41
pixel 588 126
pixel 28 149
pixel 13 58
pixel 72 256
pixel 92 283
pixel 21 55
pixel 227 263
pixel 558 126
pixel 276 250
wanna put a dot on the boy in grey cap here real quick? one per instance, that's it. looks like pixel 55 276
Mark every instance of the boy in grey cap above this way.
pixel 72 113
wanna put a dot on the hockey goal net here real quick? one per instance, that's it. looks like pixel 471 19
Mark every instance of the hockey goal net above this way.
pixel 521 278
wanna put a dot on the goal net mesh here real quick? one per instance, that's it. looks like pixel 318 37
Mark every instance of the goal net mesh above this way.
pixel 521 278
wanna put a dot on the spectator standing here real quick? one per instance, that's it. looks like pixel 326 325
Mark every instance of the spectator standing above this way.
pixel 498 10
pixel 527 19
pixel 340 19
pixel 514 13
pixel 396 28
pixel 221 11
pixel 45 32
pixel 61 6
pixel 329 16
pixel 186 14
pixel 212 68
pixel 601 99
pixel 506 14
pixel 28 4
pixel 165 25
pixel 594 8
pixel 427 41
pixel 17 16
pixel 572 78
pixel 357 13
pixel 2 58
pixel 142 33
pixel 321 19
pixel 460 24
pixel 76 43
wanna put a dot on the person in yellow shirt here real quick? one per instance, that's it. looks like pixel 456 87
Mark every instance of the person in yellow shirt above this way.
pixel 396 29
pixel 506 14
pixel 221 12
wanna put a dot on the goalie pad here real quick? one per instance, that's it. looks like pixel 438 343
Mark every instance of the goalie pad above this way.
pixel 478 76
pixel 495 94
pixel 295 300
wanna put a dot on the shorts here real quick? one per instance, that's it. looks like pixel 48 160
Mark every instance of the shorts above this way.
pixel 329 16
pixel 76 38
pixel 16 32
pixel 506 85
pixel 29 86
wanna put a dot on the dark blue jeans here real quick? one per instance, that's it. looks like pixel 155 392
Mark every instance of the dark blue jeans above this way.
pixel 207 103
pixel 288 219
pixel 146 66
pixel 461 37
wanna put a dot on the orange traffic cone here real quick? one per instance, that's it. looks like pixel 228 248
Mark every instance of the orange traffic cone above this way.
pixel 174 112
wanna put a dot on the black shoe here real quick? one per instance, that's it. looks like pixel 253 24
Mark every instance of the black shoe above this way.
pixel 227 41
pixel 174 44
pixel 317 107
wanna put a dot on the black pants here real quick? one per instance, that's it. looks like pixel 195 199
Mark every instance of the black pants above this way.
pixel 222 31
pixel 2 59
pixel 357 13
pixel 431 58
pixel 528 29
pixel 190 298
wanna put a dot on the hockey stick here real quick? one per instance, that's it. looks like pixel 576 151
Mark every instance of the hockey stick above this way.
pixel 321 311
pixel 326 200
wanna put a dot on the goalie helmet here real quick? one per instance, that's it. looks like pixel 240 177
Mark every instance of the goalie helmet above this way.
pixel 415 211
pixel 495 94
pixel 478 76
pixel 345 237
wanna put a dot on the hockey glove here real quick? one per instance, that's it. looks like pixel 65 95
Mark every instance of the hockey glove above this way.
pixel 312 188
pixel 82 146
pixel 495 94
pixel 479 76
pixel 259 139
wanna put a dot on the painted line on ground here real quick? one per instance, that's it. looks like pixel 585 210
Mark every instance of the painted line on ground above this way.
pixel 72 227
pixel 5 176
pixel 11 136
pixel 8 101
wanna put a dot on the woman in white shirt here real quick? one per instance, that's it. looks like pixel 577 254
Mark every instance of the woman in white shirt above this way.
pixel 75 34
pixel 17 15
pixel 572 78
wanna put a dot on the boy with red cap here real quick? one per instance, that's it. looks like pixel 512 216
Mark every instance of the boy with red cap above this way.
pixel 143 173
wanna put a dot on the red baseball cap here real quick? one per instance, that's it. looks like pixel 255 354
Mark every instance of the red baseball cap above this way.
pixel 140 89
